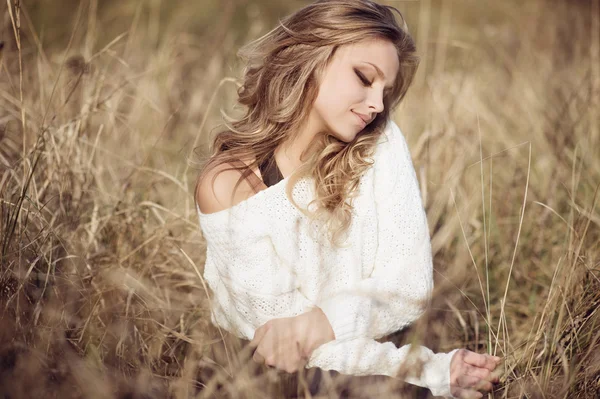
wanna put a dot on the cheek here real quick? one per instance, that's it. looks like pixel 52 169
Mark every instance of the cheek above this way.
pixel 344 89
pixel 337 95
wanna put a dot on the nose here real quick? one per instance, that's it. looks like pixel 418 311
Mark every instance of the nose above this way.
pixel 375 101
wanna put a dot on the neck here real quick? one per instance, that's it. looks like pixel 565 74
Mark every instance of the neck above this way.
pixel 294 152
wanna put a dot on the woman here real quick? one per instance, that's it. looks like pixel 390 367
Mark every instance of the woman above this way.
pixel 317 240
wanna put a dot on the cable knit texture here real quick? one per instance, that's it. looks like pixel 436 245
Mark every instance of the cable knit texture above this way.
pixel 265 260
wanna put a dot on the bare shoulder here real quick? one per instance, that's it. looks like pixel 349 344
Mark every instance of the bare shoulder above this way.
pixel 214 191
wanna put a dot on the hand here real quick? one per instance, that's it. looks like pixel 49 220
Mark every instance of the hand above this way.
pixel 287 343
pixel 471 372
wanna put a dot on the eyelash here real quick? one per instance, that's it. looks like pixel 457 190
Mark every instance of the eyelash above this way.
pixel 362 79
pixel 365 82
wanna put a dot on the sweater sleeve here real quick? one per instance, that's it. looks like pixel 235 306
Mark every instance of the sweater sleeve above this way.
pixel 414 364
pixel 249 280
pixel 240 275
pixel 399 288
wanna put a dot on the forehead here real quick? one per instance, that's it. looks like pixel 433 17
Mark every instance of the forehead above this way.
pixel 377 51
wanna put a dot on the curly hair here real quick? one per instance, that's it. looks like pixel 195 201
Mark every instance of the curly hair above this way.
pixel 280 84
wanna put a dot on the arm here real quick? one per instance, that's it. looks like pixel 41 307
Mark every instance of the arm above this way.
pixel 364 356
pixel 397 291
pixel 250 285
pixel 400 285
pixel 360 356
pixel 247 310
pixel 236 263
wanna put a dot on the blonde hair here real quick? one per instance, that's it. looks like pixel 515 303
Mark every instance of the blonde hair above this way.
pixel 280 85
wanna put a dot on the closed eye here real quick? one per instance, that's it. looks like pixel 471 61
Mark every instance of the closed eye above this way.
pixel 362 78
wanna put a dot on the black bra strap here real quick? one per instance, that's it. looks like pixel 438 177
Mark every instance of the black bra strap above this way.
pixel 270 172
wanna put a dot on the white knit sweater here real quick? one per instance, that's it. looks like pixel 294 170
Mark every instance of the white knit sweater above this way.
pixel 263 263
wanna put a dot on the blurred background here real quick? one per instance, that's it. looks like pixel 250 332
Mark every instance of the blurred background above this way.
pixel 106 108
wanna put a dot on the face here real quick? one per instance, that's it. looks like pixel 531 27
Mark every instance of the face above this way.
pixel 353 86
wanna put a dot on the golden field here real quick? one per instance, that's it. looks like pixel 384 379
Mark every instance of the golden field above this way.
pixel 106 108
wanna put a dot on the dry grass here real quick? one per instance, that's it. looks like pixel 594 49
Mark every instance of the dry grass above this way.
pixel 101 257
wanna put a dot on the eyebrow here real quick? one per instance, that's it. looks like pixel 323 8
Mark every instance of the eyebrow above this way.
pixel 379 72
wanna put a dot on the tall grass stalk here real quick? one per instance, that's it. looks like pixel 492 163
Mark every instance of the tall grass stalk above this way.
pixel 106 108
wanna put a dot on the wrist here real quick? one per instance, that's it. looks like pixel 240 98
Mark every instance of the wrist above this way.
pixel 322 321
pixel 314 330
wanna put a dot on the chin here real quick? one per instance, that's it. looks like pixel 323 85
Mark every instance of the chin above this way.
pixel 343 132
pixel 348 135
pixel 344 137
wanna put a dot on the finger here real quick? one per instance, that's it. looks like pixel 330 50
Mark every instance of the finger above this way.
pixel 264 349
pixel 498 372
pixel 495 359
pixel 467 381
pixel 292 364
pixel 301 352
pixel 481 373
pixel 303 363
pixel 303 359
pixel 466 393
pixel 257 355
pixel 258 358
pixel 266 346
pixel 476 359
pixel 273 349
pixel 271 362
pixel 258 336
pixel 474 383
pixel 291 357
pixel 483 386
pixel 484 373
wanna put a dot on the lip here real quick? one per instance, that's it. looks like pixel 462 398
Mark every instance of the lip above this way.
pixel 361 118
